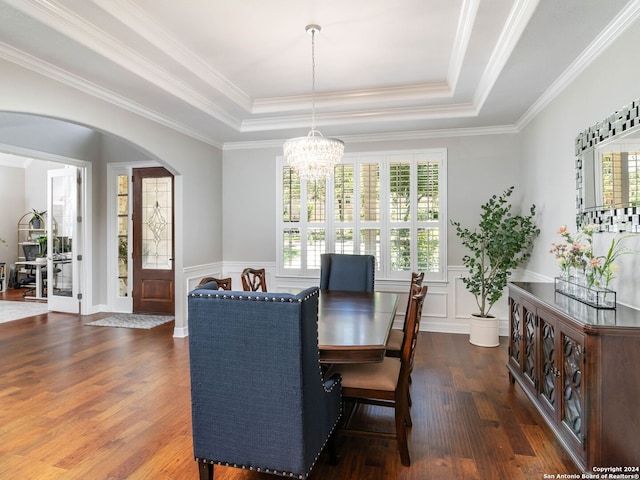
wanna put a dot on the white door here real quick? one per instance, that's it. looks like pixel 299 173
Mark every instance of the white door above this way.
pixel 64 246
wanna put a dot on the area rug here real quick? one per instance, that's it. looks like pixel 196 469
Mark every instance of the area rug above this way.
pixel 132 320
pixel 10 311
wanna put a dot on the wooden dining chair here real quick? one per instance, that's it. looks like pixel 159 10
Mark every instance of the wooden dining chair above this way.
pixel 254 279
pixel 384 383
pixel 393 347
pixel 223 283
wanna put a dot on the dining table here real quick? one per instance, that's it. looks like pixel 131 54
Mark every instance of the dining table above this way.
pixel 353 327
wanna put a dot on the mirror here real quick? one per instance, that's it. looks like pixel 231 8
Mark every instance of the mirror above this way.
pixel 608 172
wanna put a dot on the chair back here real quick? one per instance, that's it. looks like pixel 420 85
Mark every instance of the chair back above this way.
pixel 416 301
pixel 355 273
pixel 221 283
pixel 416 279
pixel 259 400
pixel 254 279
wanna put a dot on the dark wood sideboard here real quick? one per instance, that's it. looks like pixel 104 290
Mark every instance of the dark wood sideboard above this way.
pixel 580 366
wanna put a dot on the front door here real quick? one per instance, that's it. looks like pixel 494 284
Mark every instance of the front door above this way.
pixel 153 241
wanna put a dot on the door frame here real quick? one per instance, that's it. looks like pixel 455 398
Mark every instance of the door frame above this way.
pixel 86 280
pixel 115 303
pixel 143 277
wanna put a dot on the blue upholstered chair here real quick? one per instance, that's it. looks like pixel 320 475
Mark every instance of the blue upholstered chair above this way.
pixel 259 400
pixel 355 273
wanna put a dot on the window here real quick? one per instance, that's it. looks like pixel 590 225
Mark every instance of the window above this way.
pixel 388 204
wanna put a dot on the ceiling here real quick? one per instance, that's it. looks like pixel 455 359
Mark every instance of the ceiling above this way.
pixel 230 73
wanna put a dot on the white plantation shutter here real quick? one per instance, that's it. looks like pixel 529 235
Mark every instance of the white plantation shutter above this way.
pixel 387 204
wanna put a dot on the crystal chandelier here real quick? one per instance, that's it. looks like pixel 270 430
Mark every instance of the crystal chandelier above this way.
pixel 313 157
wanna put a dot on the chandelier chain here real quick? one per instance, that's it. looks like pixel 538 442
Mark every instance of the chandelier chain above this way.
pixel 313 157
pixel 313 79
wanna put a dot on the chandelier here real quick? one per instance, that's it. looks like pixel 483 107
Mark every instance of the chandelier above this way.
pixel 313 157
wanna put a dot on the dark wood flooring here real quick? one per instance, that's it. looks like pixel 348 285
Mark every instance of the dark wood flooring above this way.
pixel 82 402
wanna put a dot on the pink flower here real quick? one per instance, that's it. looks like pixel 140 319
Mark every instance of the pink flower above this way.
pixel 563 230
pixel 594 262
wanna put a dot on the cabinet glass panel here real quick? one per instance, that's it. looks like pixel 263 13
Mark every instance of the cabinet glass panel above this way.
pixel 548 387
pixel 572 385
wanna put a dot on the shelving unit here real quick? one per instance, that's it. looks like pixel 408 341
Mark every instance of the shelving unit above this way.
pixel 27 235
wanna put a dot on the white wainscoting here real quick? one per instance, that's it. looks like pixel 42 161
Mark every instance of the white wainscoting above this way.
pixel 191 278
pixel 447 306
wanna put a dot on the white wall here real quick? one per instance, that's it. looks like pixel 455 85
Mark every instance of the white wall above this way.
pixel 547 153
pixel 12 206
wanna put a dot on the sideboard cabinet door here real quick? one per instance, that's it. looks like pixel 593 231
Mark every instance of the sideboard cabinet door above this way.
pixel 523 352
pixel 550 389
pixel 581 369
pixel 572 380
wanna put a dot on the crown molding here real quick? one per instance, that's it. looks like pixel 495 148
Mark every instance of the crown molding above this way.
pixel 517 21
pixel 387 137
pixel 15 161
pixel 608 36
pixel 57 74
pixel 24 156
pixel 363 117
pixel 91 37
pixel 378 96
pixel 138 21
pixel 468 14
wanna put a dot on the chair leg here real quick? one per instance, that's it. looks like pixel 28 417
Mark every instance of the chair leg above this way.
pixel 401 434
pixel 206 470
pixel 332 449
pixel 407 417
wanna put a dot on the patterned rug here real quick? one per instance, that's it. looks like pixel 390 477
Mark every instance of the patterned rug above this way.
pixel 10 311
pixel 132 320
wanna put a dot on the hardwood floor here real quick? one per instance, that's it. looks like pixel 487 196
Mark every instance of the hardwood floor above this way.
pixel 82 402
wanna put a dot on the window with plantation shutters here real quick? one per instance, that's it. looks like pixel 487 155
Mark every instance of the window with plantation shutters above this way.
pixel 387 204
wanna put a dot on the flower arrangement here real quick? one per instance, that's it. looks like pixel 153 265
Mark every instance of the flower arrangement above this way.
pixel 577 253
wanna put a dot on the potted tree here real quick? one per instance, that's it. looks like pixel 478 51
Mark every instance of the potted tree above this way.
pixel 499 243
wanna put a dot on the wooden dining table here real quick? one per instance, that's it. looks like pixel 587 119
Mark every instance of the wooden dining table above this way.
pixel 353 327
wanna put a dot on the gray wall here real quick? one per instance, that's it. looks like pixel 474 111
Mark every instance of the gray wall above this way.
pixel 478 167
pixel 547 153
pixel 198 165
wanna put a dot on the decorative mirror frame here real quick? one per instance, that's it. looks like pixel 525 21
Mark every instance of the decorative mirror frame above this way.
pixel 614 219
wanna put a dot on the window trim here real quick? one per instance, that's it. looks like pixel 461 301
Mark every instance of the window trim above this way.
pixel 384 158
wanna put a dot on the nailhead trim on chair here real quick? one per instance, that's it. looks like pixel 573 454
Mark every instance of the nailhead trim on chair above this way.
pixel 249 297
pixel 276 472
pixel 267 470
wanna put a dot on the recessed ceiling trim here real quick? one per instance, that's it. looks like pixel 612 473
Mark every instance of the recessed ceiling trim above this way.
pixel 379 97
pixel 95 39
pixel 363 116
pixel 139 21
pixel 386 137
pixel 468 15
pixel 517 21
pixel 608 36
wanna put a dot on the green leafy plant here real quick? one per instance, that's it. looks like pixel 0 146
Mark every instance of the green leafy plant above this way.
pixel 38 218
pixel 499 243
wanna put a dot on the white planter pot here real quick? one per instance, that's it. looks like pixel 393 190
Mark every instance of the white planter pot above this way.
pixel 483 332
